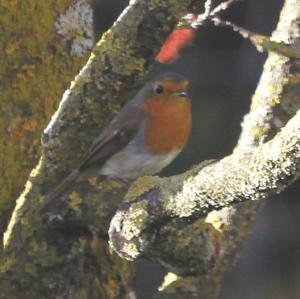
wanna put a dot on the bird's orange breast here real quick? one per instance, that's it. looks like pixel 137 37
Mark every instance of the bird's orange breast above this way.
pixel 169 124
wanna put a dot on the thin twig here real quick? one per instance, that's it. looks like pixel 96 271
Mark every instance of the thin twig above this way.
pixel 195 21
pixel 208 7
pixel 223 6
pixel 261 42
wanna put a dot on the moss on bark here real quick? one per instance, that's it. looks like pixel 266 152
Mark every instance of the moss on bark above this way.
pixel 35 68
pixel 63 254
pixel 220 236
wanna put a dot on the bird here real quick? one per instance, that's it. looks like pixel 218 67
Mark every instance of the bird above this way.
pixel 144 137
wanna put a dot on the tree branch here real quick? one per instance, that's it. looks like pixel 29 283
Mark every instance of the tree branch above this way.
pixel 155 222
pixel 268 169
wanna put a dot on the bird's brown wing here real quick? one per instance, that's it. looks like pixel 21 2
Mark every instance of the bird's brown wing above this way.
pixel 114 138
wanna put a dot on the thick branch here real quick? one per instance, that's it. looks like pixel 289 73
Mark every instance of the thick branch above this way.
pixel 154 226
pixel 237 178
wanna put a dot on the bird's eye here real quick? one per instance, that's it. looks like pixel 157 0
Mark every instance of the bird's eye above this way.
pixel 159 89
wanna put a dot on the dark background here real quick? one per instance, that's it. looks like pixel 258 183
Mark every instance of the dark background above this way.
pixel 224 70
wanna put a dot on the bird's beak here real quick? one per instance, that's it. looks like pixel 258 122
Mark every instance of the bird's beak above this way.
pixel 182 94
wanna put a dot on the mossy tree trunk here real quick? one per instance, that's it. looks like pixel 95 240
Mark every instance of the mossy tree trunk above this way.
pixel 36 67
pixel 64 253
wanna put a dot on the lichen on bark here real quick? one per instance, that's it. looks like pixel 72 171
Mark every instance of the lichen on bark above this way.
pixel 35 69
pixel 275 101
pixel 64 251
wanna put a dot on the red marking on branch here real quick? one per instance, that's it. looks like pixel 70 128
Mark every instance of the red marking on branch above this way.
pixel 179 38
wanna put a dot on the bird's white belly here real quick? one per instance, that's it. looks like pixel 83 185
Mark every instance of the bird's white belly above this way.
pixel 133 162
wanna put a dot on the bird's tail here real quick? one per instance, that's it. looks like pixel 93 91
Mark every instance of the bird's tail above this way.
pixel 53 196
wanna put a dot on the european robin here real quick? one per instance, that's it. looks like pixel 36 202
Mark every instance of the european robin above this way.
pixel 147 135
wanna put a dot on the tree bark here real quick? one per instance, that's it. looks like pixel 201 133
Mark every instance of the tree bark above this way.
pixel 36 66
pixel 64 254
pixel 208 246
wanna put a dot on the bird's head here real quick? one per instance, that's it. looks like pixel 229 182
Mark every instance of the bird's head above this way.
pixel 169 85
